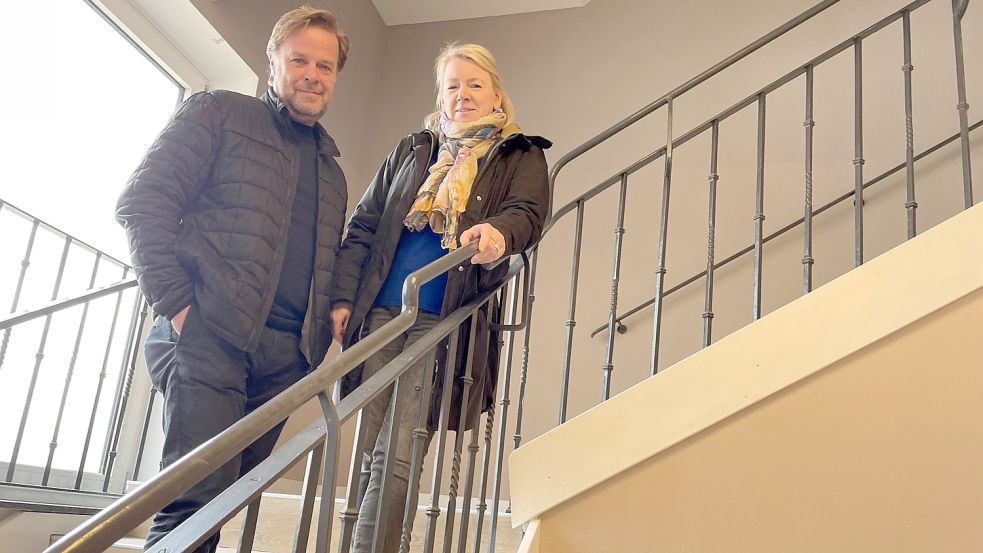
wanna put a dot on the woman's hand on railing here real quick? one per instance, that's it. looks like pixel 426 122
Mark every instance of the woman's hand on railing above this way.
pixel 491 243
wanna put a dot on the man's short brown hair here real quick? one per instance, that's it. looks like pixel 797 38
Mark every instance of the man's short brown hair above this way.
pixel 305 16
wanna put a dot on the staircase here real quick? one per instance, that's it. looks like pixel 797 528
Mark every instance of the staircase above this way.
pixel 806 396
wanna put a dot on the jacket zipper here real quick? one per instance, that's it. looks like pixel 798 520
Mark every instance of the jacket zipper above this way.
pixel 278 262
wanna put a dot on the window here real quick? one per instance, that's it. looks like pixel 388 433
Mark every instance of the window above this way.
pixel 82 103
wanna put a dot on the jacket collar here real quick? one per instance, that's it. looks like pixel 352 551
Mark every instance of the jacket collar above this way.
pixel 326 144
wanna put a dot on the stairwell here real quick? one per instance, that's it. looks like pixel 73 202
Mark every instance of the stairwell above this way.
pixel 844 420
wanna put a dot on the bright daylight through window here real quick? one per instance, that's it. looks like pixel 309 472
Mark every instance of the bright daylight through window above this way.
pixel 81 106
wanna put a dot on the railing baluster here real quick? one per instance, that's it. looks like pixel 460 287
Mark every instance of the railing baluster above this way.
pixel 524 364
pixel 809 124
pixel 125 396
pixel 389 463
pixel 619 232
pixel 858 149
pixel 910 204
pixel 418 450
pixel 332 439
pixel 433 511
pixel 307 495
pixel 247 533
pixel 68 376
pixel 349 515
pixel 38 358
pixel 102 379
pixel 958 10
pixel 483 487
pixel 466 381
pixel 660 269
pixel 462 534
pixel 131 348
pixel 504 402
pixel 571 311
pixel 143 433
pixel 24 264
pixel 711 235
pixel 759 211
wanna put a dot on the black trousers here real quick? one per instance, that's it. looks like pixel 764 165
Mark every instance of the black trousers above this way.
pixel 207 385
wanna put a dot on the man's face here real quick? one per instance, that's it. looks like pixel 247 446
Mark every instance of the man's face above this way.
pixel 303 72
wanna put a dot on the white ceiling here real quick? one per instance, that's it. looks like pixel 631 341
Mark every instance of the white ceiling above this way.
pixel 401 12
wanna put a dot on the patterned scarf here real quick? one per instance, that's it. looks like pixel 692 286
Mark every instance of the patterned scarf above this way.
pixel 444 194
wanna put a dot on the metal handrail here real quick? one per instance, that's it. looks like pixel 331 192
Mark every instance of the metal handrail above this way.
pixel 685 87
pixel 102 530
pixel 727 113
pixel 241 493
pixel 786 228
pixel 8 321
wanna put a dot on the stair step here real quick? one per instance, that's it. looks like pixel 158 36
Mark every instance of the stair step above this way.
pixel 278 520
pixel 128 545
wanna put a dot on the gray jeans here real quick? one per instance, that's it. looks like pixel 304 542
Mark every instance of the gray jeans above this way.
pixel 376 448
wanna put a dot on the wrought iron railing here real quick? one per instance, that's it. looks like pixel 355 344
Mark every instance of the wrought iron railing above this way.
pixel 95 363
pixel 614 324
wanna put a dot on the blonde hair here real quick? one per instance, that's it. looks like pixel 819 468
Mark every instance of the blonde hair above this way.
pixel 481 57
pixel 306 16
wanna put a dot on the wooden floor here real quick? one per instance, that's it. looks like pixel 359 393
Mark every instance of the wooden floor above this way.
pixel 278 521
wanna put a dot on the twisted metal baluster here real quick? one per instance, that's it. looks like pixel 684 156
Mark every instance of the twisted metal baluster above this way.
pixel 571 311
pixel 809 124
pixel 466 381
pixel 660 269
pixel 711 235
pixel 485 465
pixel 504 402
pixel 910 204
pixel 462 538
pixel 433 511
pixel 619 232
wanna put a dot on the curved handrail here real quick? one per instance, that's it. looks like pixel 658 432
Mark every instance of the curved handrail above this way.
pixel 128 512
pixel 685 87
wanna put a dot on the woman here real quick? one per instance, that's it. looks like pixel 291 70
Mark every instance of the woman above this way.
pixel 470 175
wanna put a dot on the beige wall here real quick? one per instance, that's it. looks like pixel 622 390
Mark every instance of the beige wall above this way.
pixel 574 72
pixel 880 452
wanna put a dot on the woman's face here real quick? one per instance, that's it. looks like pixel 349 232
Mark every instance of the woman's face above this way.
pixel 467 92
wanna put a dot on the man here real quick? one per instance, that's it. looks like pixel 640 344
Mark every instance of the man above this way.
pixel 234 219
